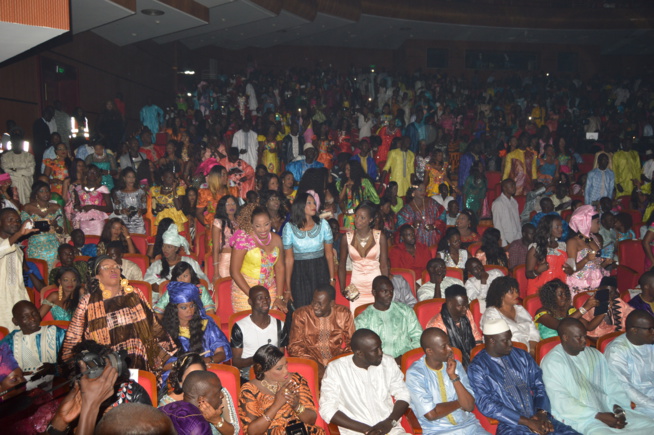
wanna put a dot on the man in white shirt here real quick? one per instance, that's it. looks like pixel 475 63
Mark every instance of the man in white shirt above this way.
pixel 358 390
pixel 255 330
pixel 438 281
pixel 479 280
pixel 506 216
pixel 630 359
pixel 246 142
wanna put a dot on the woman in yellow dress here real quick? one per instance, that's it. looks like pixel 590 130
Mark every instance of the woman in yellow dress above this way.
pixel 270 147
pixel 257 259
pixel 436 173
pixel 166 202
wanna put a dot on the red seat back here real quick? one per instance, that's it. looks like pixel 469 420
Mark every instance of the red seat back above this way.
pixel 91 238
pixel 149 383
pixel 145 288
pixel 425 310
pixel 308 369
pixel 475 309
pixel 230 378
pixel 454 272
pixel 532 304
pixel 604 340
pixel 3 332
pixel 544 346
pixel 521 200
pixel 141 260
pixel 409 275
pixel 42 265
pixel 63 324
pixel 630 253
pixel 581 298
pixel 473 248
pixel 222 296
pixel 415 354
pixel 140 243
pixel 360 309
pixel 475 350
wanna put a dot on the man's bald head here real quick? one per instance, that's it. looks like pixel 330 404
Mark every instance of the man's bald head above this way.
pixel 200 384
pixel 135 419
pixel 429 336
pixel 566 324
pixel 360 336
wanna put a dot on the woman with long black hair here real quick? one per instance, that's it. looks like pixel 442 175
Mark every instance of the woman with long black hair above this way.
pixel 309 257
pixel 354 188
pixel 224 226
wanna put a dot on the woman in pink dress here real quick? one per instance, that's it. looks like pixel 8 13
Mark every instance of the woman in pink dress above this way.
pixel 585 248
pixel 368 251
pixel 92 203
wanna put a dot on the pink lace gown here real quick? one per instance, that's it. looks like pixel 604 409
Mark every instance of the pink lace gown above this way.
pixel 92 221
pixel 587 278
pixel 364 269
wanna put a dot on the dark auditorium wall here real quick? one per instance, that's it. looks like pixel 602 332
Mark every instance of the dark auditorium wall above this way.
pixel 138 71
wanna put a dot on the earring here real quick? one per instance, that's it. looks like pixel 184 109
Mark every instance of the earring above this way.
pixel 61 293
pixel 124 283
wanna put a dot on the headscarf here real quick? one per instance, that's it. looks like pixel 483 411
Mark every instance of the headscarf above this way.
pixel 185 292
pixel 581 219
pixel 172 237
pixel 7 361
pixel 5 178
pixel 316 198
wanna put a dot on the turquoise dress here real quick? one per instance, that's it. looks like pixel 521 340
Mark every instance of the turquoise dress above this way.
pixel 57 312
pixel 43 246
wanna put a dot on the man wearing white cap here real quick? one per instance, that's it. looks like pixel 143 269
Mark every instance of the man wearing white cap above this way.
pixel 508 386
pixel 300 166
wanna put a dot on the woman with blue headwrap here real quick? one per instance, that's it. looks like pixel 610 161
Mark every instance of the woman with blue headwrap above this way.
pixel 191 328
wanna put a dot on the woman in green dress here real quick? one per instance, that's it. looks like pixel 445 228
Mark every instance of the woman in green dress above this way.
pixel 474 188
pixel 353 189
pixel 43 245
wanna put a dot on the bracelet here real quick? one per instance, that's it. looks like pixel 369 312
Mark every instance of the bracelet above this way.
pixel 267 418
pixel 300 409
pixel 582 310
pixel 221 423
pixel 128 237
pixel 52 431
pixel 332 279
pixel 457 379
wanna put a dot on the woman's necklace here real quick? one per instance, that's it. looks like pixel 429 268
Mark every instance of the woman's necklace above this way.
pixel 42 209
pixel 267 242
pixel 363 242
pixel 270 386
pixel 422 212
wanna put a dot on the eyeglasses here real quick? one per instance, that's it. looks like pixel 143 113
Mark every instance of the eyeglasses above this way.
pixel 650 329
pixel 110 268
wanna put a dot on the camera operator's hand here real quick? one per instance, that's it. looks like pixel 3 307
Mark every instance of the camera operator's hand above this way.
pixel 69 409
pixel 44 370
pixel 94 392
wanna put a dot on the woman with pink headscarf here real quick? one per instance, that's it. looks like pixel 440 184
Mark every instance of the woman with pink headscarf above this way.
pixel 584 248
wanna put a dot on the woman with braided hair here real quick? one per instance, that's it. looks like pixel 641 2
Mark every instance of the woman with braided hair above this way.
pixel 257 259
pixel 117 315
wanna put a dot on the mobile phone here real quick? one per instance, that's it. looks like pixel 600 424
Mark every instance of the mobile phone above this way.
pixel 42 226
pixel 603 297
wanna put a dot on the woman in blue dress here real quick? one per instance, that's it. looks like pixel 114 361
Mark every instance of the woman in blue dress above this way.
pixel 43 245
pixel 191 328
pixel 63 303
pixel 308 252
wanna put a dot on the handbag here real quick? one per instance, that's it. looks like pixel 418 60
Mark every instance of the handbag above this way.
pixel 296 427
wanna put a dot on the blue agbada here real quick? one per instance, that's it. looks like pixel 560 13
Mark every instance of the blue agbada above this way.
pixel 214 338
pixel 508 388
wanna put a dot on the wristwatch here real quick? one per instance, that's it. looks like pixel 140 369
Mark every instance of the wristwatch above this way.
pixel 457 379
pixel 394 423
pixel 52 431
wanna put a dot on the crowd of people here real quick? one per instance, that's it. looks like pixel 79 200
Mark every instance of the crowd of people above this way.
pixel 355 219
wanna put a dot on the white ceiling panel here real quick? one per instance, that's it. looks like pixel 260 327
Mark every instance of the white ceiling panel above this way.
pixel 17 38
pixel 221 17
pixel 89 14
pixel 140 27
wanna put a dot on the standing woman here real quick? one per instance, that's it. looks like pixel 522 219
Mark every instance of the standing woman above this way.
pixel 130 202
pixel 423 213
pixel 273 201
pixel 368 250
pixel 450 249
pixel 57 169
pixel 92 203
pixel 166 202
pixel 436 172
pixel 546 257
pixel 391 194
pixel 257 259
pixel 585 249
pixel 43 245
pixel 270 150
pixel 354 188
pixel 104 161
pixel 115 314
pixel 224 225
pixel 209 196
pixel 288 185
pixel 308 250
